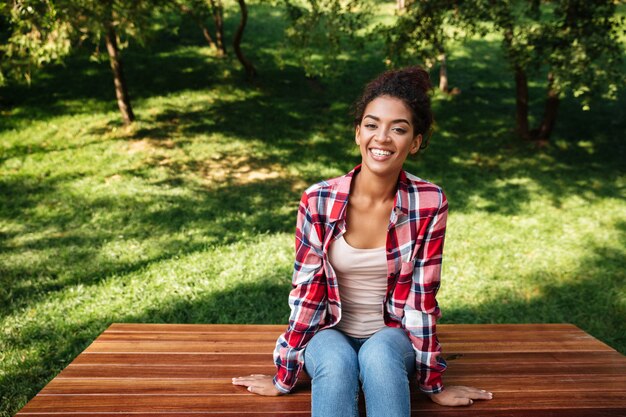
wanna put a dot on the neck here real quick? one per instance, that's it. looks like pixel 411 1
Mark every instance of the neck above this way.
pixel 374 187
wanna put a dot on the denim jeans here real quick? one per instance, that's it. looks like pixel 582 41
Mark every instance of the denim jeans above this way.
pixel 380 364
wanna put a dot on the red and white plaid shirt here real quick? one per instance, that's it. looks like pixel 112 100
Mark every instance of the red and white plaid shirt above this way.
pixel 414 249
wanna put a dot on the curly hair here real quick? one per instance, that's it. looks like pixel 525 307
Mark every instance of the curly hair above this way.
pixel 412 86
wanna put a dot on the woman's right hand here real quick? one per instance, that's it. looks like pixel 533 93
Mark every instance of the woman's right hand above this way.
pixel 258 384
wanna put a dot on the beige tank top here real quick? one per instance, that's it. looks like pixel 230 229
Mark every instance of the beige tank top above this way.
pixel 362 279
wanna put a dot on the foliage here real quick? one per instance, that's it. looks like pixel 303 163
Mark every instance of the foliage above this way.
pixel 576 40
pixel 44 31
pixel 34 36
pixel 581 46
pixel 187 216
pixel 419 34
pixel 321 31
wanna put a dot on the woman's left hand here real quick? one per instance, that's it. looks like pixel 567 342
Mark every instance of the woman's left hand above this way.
pixel 459 395
pixel 258 384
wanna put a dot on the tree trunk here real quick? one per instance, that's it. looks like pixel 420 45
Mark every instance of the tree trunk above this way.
pixel 218 18
pixel 121 90
pixel 250 71
pixel 550 112
pixel 207 36
pixel 521 103
pixel 400 4
pixel 201 25
pixel 443 73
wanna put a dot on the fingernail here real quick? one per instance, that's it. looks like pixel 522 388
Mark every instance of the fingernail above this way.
pixel 471 402
pixel 482 390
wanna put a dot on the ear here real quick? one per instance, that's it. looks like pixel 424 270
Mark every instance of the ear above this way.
pixel 356 135
pixel 415 145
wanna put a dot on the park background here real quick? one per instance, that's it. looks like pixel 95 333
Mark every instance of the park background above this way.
pixel 187 214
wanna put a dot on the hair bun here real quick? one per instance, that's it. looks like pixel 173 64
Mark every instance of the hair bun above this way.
pixel 412 86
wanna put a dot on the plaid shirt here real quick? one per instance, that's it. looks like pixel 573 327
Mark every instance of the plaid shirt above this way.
pixel 414 249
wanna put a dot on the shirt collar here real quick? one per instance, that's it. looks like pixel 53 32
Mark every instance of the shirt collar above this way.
pixel 342 188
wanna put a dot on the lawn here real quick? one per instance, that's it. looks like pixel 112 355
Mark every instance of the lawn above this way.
pixel 188 215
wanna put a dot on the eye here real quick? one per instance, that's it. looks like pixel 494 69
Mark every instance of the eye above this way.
pixel 400 130
pixel 370 125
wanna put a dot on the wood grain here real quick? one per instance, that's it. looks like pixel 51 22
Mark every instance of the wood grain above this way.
pixel 544 370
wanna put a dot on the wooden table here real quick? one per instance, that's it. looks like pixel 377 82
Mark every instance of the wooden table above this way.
pixel 167 370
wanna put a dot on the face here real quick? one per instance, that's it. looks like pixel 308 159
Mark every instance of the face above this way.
pixel 386 136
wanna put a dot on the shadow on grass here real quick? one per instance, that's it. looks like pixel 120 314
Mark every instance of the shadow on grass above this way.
pixel 560 302
pixel 57 345
pixel 169 63
pixel 265 302
pixel 76 242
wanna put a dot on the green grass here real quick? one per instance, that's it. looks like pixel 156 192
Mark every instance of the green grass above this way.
pixel 188 215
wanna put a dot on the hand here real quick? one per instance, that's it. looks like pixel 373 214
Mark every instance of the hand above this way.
pixel 460 395
pixel 258 384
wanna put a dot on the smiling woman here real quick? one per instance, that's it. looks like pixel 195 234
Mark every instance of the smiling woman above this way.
pixel 368 262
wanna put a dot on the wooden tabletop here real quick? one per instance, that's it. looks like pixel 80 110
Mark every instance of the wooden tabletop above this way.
pixel 168 369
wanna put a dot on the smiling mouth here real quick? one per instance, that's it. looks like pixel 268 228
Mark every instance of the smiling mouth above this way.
pixel 380 152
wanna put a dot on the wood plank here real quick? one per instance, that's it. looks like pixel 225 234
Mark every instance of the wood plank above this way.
pixel 450 412
pixel 246 338
pixel 174 359
pixel 570 357
pixel 567 400
pixel 234 370
pixel 182 359
pixel 235 347
pixel 217 386
pixel 174 414
pixel 196 328
pixel 279 328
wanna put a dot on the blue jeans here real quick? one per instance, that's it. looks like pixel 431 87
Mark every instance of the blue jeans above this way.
pixel 382 364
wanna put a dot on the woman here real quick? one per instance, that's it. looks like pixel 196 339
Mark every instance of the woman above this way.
pixel 368 264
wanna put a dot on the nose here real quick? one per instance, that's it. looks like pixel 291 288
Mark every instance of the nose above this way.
pixel 382 135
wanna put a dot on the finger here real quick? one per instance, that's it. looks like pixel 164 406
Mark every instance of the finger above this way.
pixel 474 393
pixel 480 395
pixel 483 395
pixel 250 378
pixel 243 381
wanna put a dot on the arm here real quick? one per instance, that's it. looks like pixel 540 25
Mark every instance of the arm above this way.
pixel 307 301
pixel 422 312
pixel 421 309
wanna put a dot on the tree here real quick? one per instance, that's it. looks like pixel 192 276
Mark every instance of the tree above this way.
pixel 420 34
pixel 320 31
pixel 111 20
pixel 33 35
pixel 575 43
pixel 250 70
pixel 200 11
pixel 45 30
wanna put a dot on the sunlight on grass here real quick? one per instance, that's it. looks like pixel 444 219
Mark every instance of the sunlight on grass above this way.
pixel 188 215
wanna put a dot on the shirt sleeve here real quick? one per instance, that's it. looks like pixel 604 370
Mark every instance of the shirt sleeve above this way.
pixel 421 310
pixel 307 299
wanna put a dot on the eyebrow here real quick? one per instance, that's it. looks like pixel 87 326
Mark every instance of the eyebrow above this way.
pixel 393 121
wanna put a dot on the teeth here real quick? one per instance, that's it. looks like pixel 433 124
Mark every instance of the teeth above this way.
pixel 380 152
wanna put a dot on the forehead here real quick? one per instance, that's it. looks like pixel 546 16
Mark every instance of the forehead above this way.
pixel 387 107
